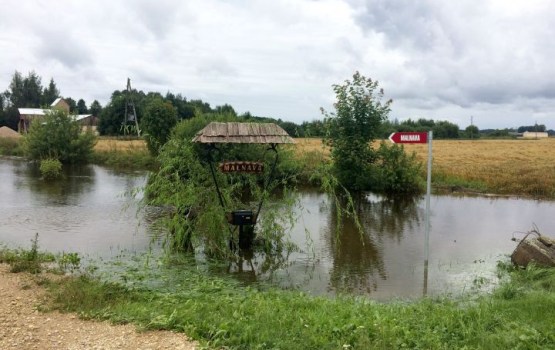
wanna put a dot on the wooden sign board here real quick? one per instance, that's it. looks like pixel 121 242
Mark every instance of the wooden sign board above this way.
pixel 242 167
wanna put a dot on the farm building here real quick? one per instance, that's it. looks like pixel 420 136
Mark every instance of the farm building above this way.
pixel 534 135
pixel 27 115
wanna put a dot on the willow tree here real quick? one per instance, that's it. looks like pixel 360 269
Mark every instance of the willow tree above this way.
pixel 351 129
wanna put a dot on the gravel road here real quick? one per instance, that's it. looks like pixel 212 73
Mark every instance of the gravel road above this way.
pixel 23 327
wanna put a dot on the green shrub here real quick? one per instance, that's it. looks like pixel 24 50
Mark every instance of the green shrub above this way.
pixel 50 168
pixel 397 172
pixel 10 146
pixel 57 135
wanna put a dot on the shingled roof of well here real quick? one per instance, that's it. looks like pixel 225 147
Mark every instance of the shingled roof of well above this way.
pixel 264 133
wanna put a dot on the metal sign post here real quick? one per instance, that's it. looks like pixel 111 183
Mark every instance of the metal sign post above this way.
pixel 421 137
pixel 428 195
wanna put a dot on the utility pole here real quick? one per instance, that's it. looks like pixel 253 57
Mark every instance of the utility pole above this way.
pixel 471 127
pixel 130 112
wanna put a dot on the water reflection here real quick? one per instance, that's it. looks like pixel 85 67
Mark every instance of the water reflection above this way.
pixel 390 216
pixel 357 257
pixel 74 182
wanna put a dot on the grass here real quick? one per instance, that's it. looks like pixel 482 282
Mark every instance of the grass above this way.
pixel 23 260
pixel 10 146
pixel 220 313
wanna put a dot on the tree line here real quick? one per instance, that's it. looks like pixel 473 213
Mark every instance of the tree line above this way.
pixel 28 92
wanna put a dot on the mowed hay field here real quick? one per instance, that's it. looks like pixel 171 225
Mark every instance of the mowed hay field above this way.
pixel 524 167
pixel 516 166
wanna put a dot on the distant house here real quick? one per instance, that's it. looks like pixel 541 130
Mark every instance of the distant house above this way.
pixel 27 115
pixel 534 135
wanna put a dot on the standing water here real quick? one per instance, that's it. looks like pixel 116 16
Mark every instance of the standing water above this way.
pixel 92 212
pixel 89 211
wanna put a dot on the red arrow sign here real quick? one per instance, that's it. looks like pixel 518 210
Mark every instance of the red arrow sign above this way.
pixel 409 137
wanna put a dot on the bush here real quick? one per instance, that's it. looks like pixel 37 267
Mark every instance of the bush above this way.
pixel 50 168
pixel 396 171
pixel 58 136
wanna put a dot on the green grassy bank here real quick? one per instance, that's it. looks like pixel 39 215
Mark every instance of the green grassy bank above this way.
pixel 222 314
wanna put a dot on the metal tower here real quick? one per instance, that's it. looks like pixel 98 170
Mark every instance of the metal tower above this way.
pixel 130 112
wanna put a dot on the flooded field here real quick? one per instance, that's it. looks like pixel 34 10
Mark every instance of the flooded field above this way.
pixel 92 211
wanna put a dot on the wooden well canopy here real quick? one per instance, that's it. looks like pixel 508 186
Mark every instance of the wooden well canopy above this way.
pixel 261 133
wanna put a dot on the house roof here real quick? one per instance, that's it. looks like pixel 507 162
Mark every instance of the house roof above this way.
pixel 41 112
pixel 81 116
pixel 32 111
pixel 56 102
pixel 265 133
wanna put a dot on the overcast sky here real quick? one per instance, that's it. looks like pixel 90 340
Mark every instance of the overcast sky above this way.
pixel 493 60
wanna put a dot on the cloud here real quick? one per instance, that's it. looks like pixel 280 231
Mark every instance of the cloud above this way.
pixel 62 47
pixel 436 59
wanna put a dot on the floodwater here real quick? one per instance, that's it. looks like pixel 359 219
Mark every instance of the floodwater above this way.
pixel 92 211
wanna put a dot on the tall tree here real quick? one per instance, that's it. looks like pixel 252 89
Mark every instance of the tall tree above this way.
pixel 32 90
pixel 112 115
pixel 50 93
pixel 15 92
pixel 2 106
pixel 95 108
pixel 22 92
pixel 72 104
pixel 352 128
pixel 82 107
pixel 158 119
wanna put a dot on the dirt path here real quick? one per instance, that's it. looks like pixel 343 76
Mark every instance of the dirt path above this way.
pixel 23 327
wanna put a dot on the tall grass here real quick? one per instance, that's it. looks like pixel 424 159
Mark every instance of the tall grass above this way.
pixel 11 146
pixel 222 314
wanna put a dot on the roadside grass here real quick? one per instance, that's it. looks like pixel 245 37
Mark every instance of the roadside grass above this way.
pixel 220 313
pixel 26 260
